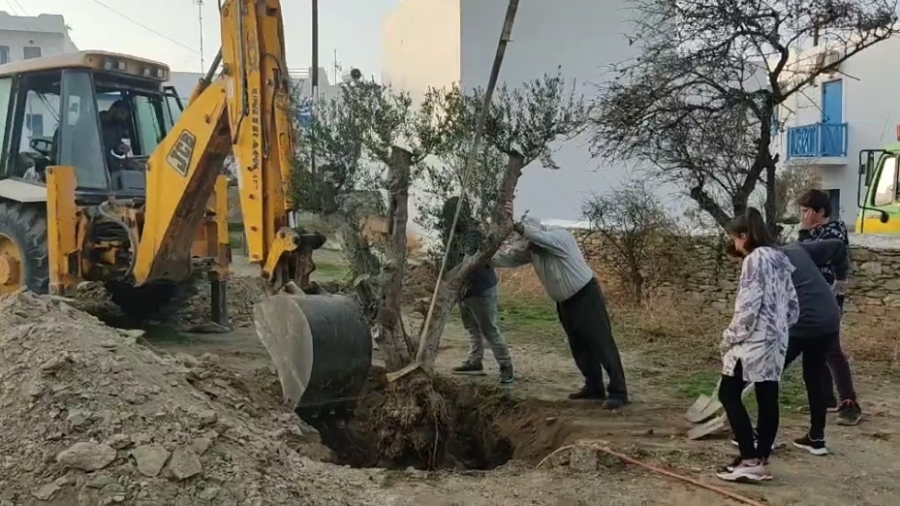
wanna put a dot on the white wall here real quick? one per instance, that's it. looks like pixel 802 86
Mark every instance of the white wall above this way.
pixel 425 46
pixel 583 37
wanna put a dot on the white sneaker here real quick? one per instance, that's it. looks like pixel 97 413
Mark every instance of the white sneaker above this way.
pixel 744 471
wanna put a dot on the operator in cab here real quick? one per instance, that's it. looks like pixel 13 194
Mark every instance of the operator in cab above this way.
pixel 114 123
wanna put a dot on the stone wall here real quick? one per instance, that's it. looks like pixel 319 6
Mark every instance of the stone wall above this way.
pixel 702 272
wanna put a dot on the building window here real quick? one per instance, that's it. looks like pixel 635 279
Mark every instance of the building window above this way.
pixel 35 123
pixel 4 54
pixel 30 52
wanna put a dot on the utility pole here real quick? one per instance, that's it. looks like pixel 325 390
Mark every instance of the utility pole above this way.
pixel 200 19
pixel 314 72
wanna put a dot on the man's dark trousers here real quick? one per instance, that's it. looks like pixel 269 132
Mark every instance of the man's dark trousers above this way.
pixel 587 325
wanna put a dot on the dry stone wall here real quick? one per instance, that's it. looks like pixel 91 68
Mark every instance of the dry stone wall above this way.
pixel 706 275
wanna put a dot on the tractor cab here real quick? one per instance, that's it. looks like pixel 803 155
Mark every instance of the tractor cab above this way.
pixel 878 193
pixel 101 113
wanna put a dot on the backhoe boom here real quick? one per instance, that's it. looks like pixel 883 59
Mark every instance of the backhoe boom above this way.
pixel 246 110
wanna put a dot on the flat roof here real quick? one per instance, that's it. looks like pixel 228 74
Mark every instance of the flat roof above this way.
pixel 81 59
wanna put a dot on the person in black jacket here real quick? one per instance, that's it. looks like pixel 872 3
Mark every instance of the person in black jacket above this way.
pixel 817 328
pixel 478 306
pixel 816 225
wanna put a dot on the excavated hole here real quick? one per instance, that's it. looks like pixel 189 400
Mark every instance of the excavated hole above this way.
pixel 425 425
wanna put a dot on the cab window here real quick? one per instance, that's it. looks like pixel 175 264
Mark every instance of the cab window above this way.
pixel 79 132
pixel 145 127
pixel 173 109
pixel 5 95
pixel 886 187
pixel 148 115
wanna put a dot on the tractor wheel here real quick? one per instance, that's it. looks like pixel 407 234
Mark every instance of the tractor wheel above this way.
pixel 24 261
pixel 154 302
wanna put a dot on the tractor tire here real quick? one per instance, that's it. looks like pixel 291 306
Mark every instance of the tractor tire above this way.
pixel 157 302
pixel 23 241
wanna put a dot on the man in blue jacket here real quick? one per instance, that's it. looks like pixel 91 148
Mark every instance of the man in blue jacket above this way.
pixel 478 306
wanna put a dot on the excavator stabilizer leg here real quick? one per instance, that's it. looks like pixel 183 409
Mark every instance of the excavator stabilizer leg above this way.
pixel 322 349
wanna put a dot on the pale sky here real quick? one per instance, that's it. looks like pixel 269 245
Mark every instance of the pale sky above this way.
pixel 352 27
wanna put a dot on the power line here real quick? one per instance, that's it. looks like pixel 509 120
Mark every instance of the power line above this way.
pixel 145 27
pixel 20 7
pixel 13 8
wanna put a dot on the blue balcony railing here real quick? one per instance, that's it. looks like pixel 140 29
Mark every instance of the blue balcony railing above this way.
pixel 817 141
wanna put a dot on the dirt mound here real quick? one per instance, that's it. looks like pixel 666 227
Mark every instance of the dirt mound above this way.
pixel 242 293
pixel 89 417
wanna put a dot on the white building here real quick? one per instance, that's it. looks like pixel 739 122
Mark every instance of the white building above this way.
pixel 855 108
pixel 439 42
pixel 27 37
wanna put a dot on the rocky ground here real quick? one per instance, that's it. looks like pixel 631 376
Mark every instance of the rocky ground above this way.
pixel 91 415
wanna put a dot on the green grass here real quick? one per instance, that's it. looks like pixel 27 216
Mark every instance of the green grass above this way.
pixel 691 385
pixel 533 322
pixel 330 270
pixel 662 364
pixel 236 239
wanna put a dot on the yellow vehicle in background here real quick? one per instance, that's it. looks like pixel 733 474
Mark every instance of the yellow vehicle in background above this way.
pixel 880 206
pixel 127 188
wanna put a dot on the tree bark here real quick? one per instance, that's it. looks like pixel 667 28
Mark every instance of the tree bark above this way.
pixel 451 289
pixel 392 337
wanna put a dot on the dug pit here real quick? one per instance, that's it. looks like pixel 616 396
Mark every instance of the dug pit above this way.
pixel 442 425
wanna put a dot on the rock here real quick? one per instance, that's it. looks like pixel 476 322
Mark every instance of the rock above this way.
pixel 87 456
pixel 209 493
pixel 200 445
pixel 113 492
pixel 118 441
pixel 45 492
pixel 150 459
pixel 208 417
pixel 184 464
pixel 78 418
pixel 99 481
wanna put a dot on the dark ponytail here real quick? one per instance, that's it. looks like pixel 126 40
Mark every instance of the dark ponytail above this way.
pixel 752 224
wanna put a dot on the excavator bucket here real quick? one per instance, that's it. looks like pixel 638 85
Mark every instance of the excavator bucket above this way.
pixel 322 349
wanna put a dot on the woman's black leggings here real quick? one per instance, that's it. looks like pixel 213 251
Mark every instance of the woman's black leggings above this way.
pixel 730 389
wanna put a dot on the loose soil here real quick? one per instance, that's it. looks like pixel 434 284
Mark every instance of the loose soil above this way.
pixel 92 415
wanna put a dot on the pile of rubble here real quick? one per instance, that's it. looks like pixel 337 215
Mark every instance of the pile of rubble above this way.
pixel 89 416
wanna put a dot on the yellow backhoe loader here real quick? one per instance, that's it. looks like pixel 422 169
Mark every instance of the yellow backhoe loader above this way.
pixel 104 176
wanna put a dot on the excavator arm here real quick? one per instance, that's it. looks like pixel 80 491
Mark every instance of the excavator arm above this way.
pixel 245 110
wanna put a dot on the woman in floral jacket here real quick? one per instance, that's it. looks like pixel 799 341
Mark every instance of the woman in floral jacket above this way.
pixel 755 344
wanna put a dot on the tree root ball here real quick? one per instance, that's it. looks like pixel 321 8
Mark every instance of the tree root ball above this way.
pixel 423 423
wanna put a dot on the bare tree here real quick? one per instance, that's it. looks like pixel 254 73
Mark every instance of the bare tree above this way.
pixel 699 102
pixel 790 184
pixel 633 226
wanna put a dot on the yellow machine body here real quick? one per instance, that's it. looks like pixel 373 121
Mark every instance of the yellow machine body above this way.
pixel 138 199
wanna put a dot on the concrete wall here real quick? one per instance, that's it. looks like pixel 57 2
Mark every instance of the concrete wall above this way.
pixel 871 111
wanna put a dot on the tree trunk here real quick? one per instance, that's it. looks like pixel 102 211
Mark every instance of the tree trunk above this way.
pixel 392 337
pixel 771 197
pixel 451 288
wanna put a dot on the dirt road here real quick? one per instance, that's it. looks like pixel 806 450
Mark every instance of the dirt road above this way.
pixel 861 470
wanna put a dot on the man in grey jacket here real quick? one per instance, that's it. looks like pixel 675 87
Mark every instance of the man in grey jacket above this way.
pixel 569 280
